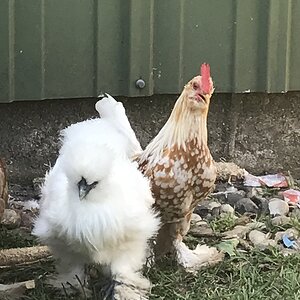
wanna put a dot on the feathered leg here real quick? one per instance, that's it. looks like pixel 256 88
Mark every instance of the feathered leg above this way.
pixel 129 283
pixel 170 238
pixel 201 256
pixel 70 267
pixel 125 281
pixel 105 284
pixel 165 238
pixel 169 233
pixel 124 271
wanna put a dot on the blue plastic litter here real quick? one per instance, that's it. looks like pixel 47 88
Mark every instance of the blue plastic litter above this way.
pixel 288 242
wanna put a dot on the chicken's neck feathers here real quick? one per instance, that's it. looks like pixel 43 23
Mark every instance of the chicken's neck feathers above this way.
pixel 183 125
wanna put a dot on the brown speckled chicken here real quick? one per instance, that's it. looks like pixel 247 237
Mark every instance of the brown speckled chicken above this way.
pixel 182 171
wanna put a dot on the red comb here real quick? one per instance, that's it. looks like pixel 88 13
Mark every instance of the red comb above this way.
pixel 205 74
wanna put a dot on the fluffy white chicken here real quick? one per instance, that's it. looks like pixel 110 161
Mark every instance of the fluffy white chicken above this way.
pixel 96 205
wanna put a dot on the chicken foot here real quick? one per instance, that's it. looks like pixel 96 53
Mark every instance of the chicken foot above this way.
pixel 169 240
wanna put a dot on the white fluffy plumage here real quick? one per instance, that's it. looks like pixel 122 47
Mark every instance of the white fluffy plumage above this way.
pixel 114 113
pixel 112 223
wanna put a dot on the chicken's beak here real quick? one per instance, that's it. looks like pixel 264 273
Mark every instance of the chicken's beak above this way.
pixel 84 188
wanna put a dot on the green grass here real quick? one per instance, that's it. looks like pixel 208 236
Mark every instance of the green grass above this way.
pixel 295 223
pixel 227 222
pixel 254 275
pixel 15 238
pixel 251 276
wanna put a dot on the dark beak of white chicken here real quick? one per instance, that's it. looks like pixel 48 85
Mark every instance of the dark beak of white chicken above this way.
pixel 84 188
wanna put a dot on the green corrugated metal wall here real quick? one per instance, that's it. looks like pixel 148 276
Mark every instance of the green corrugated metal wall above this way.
pixel 77 48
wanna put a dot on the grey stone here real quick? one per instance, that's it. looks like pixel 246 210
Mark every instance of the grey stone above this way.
pixel 213 204
pixel 261 240
pixel 241 231
pixel 210 217
pixel 216 211
pixel 226 208
pixel 244 219
pixel 221 187
pixel 238 231
pixel 208 209
pixel 205 207
pixel 280 220
pixel 262 203
pixel 203 230
pixel 195 219
pixel 11 219
pixel 230 198
pixel 246 205
pixel 201 210
pixel 278 207
pixel 215 208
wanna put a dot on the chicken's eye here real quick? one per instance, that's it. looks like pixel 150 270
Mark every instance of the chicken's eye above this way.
pixel 195 86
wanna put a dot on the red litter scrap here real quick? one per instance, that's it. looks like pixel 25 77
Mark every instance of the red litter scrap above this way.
pixel 275 180
pixel 292 196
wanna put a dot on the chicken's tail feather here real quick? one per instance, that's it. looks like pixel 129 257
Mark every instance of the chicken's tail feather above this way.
pixel 114 112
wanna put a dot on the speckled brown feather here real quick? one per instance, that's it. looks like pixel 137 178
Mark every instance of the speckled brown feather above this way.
pixel 169 194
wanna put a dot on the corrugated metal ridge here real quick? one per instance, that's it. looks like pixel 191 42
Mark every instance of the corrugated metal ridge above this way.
pixel 67 49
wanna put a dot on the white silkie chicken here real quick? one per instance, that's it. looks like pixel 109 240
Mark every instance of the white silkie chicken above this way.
pixel 96 205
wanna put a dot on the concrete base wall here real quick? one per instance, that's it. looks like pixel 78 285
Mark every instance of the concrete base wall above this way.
pixel 260 132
